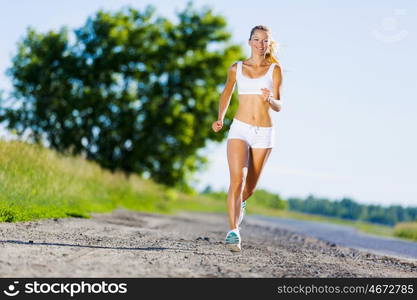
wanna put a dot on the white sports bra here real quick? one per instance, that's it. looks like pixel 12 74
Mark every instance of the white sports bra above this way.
pixel 247 85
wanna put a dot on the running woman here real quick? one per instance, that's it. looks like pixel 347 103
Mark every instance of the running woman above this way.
pixel 251 136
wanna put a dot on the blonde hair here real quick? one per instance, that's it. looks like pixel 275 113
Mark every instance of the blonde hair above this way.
pixel 272 49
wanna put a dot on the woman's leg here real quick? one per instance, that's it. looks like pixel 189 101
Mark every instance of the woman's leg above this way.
pixel 256 162
pixel 237 157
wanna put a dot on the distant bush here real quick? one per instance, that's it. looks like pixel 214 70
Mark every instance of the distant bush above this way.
pixel 406 230
pixel 261 197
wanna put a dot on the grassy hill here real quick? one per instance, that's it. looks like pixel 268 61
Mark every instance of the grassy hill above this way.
pixel 36 182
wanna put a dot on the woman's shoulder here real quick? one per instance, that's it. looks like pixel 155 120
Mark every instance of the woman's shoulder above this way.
pixel 235 64
pixel 277 67
pixel 277 64
pixel 233 67
pixel 277 70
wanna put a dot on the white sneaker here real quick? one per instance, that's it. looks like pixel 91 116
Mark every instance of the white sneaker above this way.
pixel 233 241
pixel 242 213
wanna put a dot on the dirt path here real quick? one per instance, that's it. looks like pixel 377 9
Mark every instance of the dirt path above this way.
pixel 131 244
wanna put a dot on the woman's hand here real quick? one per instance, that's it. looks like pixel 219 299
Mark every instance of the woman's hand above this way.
pixel 217 125
pixel 265 94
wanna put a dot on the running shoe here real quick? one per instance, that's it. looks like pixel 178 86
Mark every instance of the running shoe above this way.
pixel 233 241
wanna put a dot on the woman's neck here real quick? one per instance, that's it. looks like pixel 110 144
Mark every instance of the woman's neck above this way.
pixel 257 60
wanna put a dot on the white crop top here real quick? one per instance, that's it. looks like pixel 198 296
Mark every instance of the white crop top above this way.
pixel 247 85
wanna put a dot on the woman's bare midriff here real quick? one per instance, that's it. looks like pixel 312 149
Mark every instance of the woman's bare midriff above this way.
pixel 254 110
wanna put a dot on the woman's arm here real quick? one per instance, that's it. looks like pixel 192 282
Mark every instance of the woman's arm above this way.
pixel 275 100
pixel 227 91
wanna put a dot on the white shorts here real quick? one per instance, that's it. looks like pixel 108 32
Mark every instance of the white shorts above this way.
pixel 255 136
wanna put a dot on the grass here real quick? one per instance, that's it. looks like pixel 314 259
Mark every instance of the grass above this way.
pixel 36 183
pixel 407 230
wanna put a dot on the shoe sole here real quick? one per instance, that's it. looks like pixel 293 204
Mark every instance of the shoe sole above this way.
pixel 234 247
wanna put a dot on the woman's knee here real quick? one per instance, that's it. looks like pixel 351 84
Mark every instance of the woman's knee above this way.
pixel 236 184
pixel 239 177
pixel 238 180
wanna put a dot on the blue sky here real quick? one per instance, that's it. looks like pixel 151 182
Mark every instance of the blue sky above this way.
pixel 350 89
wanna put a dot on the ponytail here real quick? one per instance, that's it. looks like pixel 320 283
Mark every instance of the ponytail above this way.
pixel 271 54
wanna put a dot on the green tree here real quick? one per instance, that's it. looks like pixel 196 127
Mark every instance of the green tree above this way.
pixel 349 209
pixel 133 91
pixel 265 198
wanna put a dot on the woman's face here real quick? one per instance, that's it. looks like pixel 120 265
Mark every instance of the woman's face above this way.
pixel 259 42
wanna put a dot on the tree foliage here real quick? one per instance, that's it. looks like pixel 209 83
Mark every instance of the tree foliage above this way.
pixel 130 90
pixel 348 209
pixel 268 199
